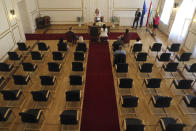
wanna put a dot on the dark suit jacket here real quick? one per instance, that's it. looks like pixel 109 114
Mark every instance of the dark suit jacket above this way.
pixel 126 38
pixel 71 36
pixel 94 31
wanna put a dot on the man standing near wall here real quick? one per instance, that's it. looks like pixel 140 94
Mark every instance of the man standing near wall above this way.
pixel 137 17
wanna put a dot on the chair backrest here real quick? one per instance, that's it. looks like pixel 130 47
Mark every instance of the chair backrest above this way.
pixel 193 68
pixel 172 67
pixel 46 80
pixel 75 80
pixel 175 127
pixel 175 47
pixel 193 101
pixel 154 83
pixel 156 47
pixel 53 66
pixel 81 47
pixel 122 68
pixel 30 116
pixel 162 101
pixel 5 113
pixel 28 66
pixel 57 55
pixel 165 57
pixel 77 66
pixel 62 46
pixel 36 55
pixel 137 48
pixel 78 56
pixel 68 117
pixel 185 84
pixel 42 46
pixel 40 95
pixel 119 58
pixel 11 94
pixel 73 95
pixel 130 101
pixel 133 124
pixel 185 56
pixel 126 83
pixel 13 56
pixel 19 79
pixel 146 68
pixel 142 56
pixel 22 46
pixel 5 67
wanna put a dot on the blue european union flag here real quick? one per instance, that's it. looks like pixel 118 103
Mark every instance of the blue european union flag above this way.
pixel 143 13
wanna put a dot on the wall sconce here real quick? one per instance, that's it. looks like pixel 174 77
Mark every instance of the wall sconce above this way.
pixel 176 5
pixel 12 12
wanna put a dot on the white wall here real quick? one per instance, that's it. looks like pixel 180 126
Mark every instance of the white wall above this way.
pixel 10 28
pixel 60 10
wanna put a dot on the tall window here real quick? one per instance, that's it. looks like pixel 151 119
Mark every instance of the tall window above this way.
pixel 167 10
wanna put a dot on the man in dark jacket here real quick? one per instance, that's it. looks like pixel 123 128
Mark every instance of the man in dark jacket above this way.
pixel 137 17
pixel 71 37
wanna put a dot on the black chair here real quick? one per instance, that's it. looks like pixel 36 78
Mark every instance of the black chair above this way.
pixel 21 79
pixel 141 57
pixel 14 56
pixel 75 80
pixel 152 83
pixel 81 47
pixel 145 68
pixel 170 124
pixel 5 113
pixel 77 66
pixel 79 56
pixel 4 67
pixel 22 46
pixel 125 82
pixel 182 84
pixel 175 47
pixel 54 67
pixel 69 117
pixel 73 95
pixel 170 67
pixel 29 67
pixel 31 115
pixel 190 68
pixel 136 48
pixel 129 101
pixel 184 57
pixel 190 100
pixel 58 56
pixel 62 47
pixel 133 124
pixel 48 80
pixel 161 101
pixel 41 96
pixel 42 46
pixel 35 55
pixel 119 58
pixel 164 57
pixel 11 95
pixel 122 68
pixel 156 47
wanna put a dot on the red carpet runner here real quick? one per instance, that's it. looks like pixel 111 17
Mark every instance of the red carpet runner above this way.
pixel 99 109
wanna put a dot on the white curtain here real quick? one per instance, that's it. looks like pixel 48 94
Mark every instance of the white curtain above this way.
pixel 182 21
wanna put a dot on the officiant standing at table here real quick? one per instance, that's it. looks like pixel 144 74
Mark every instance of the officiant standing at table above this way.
pixel 137 17
pixel 98 17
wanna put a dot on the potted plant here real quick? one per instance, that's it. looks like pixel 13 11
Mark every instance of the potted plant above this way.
pixel 114 19
pixel 80 20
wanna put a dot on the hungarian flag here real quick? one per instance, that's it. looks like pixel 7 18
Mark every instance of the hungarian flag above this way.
pixel 149 14
pixel 143 13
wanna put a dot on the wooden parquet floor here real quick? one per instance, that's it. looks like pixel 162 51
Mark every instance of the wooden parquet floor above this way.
pixel 144 111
